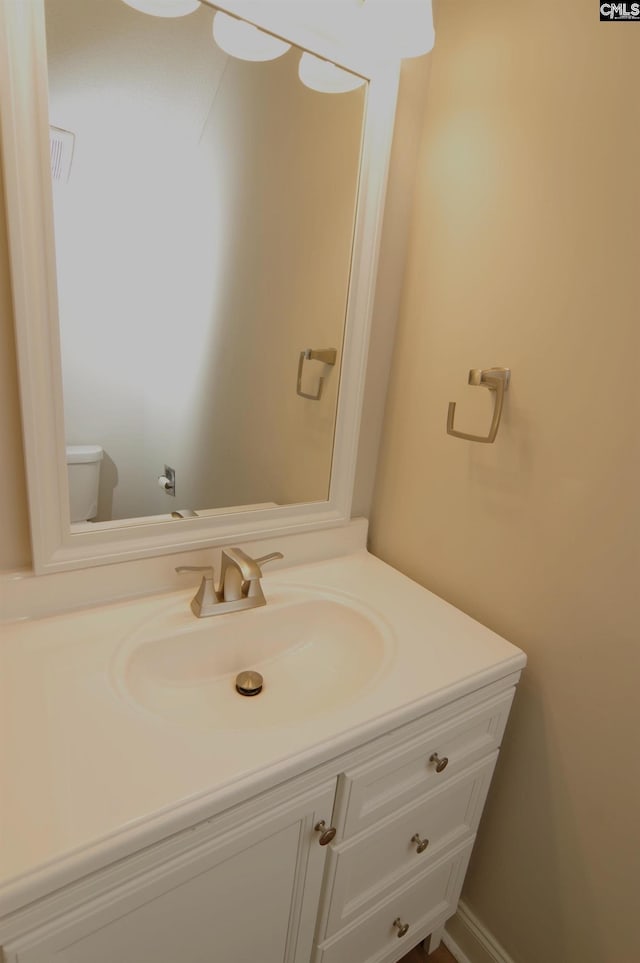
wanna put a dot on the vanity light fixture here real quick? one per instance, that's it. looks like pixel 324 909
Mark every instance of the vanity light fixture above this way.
pixel 398 28
pixel 164 8
pixel 325 77
pixel 403 27
pixel 241 39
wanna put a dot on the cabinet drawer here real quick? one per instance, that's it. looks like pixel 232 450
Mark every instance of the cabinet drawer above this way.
pixel 377 789
pixel 366 868
pixel 428 900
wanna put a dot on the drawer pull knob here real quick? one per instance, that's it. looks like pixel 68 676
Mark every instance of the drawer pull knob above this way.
pixel 421 844
pixel 327 834
pixel 403 928
pixel 440 764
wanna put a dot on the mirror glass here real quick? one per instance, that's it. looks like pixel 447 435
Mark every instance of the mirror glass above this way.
pixel 204 212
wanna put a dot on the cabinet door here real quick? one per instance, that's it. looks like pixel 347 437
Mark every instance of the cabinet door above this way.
pixel 253 894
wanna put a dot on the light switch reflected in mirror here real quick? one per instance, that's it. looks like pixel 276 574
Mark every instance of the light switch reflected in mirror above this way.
pixel 204 226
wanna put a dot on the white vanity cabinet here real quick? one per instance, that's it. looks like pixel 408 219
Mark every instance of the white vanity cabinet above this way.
pixel 406 818
pixel 241 887
pixel 254 882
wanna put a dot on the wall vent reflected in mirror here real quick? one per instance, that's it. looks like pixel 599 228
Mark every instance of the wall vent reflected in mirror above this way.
pixel 194 263
pixel 61 143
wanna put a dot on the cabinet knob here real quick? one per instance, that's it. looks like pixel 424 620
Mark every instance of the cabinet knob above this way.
pixel 421 844
pixel 326 834
pixel 403 928
pixel 439 763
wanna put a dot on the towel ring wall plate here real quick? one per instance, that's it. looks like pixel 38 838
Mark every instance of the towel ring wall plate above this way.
pixel 496 380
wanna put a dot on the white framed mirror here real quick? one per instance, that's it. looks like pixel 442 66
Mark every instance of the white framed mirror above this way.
pixel 253 287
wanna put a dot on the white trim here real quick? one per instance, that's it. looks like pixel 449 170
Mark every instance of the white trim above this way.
pixel 478 934
pixel 454 949
pixel 25 140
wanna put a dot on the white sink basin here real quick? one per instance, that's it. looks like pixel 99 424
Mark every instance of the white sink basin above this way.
pixel 315 652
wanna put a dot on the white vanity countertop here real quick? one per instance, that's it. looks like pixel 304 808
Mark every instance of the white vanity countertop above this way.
pixel 86 777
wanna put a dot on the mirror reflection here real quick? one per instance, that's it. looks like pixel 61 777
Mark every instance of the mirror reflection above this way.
pixel 204 209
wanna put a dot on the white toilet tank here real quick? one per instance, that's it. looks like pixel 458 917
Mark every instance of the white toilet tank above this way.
pixel 83 467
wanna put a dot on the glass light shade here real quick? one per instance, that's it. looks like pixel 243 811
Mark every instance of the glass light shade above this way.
pixel 326 77
pixel 164 8
pixel 400 27
pixel 245 41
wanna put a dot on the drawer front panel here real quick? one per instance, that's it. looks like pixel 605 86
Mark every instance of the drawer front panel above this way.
pixel 429 899
pixel 366 868
pixel 375 790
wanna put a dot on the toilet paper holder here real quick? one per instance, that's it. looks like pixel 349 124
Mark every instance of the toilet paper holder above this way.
pixel 167 481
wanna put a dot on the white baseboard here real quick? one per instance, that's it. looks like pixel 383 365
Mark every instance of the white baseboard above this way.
pixel 486 946
pixel 454 949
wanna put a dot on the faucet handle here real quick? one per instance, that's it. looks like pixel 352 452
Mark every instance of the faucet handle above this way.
pixel 196 568
pixel 206 596
pixel 252 588
pixel 268 558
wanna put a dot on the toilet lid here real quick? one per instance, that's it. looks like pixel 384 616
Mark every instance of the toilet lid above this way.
pixel 77 454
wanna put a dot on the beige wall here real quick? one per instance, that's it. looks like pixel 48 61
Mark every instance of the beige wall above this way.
pixel 524 252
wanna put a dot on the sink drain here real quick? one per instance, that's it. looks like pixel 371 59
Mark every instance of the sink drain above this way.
pixel 249 683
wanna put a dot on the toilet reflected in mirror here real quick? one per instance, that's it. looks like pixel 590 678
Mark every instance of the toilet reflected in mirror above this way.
pixel 83 468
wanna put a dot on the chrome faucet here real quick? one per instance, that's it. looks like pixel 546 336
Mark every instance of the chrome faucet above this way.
pixel 239 586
